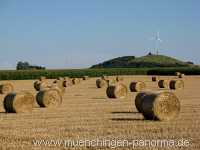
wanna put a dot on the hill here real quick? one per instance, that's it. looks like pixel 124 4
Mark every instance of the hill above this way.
pixel 148 61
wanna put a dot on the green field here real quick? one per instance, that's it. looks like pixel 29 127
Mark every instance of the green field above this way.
pixel 34 74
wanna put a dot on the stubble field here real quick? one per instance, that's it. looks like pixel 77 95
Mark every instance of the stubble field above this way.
pixel 87 113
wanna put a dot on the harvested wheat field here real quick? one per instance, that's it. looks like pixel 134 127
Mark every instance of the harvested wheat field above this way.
pixel 86 113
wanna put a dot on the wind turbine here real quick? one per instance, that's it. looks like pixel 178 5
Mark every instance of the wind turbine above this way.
pixel 157 42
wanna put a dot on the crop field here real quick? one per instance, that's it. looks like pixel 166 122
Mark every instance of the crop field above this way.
pixel 87 114
pixel 73 73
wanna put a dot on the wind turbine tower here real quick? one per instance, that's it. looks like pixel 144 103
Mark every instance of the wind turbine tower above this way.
pixel 157 42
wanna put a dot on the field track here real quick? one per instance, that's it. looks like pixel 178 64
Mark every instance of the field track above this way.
pixel 87 113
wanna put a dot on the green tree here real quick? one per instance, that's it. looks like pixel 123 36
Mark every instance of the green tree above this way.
pixel 26 66
pixel 22 65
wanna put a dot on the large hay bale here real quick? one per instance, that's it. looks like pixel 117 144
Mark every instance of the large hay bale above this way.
pixel 49 98
pixel 138 100
pixel 119 78
pixel 59 89
pixel 6 88
pixel 111 82
pixel 67 83
pixel 163 83
pixel 40 85
pixel 20 102
pixel 100 83
pixel 36 85
pixel 42 78
pixel 66 78
pixel 154 79
pixel 163 106
pixel 60 78
pixel 176 84
pixel 181 75
pixel 137 86
pixel 117 91
pixel 177 73
pixel 85 77
pixel 76 81
pixel 105 77
pixel 58 84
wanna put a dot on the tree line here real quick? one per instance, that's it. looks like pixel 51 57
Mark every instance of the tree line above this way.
pixel 26 66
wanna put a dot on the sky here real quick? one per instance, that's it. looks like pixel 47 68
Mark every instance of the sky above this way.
pixel 81 33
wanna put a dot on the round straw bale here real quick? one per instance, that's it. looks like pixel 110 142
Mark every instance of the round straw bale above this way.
pixel 76 81
pixel 60 78
pixel 104 77
pixel 176 84
pixel 66 78
pixel 163 83
pixel 117 91
pixel 138 100
pixel 181 75
pixel 59 89
pixel 49 98
pixel 85 77
pixel 119 78
pixel 55 81
pixel 177 73
pixel 6 88
pixel 154 78
pixel 100 83
pixel 58 84
pixel 20 102
pixel 42 78
pixel 163 106
pixel 137 86
pixel 67 83
pixel 40 85
pixel 36 85
pixel 111 82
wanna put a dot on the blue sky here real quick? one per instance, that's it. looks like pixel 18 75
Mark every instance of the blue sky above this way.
pixel 80 33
